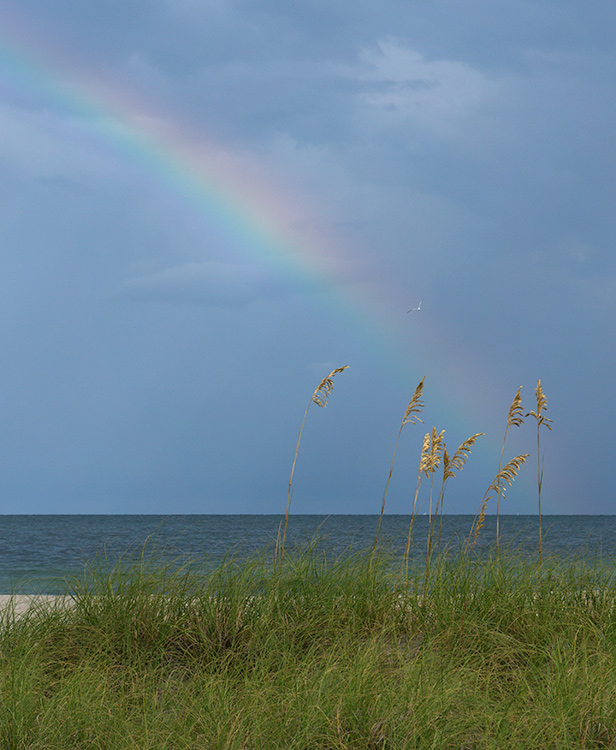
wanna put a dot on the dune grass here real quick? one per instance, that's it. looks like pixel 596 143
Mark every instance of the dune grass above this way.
pixel 297 650
pixel 318 654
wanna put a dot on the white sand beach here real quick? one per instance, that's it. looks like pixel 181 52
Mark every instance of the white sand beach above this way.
pixel 23 602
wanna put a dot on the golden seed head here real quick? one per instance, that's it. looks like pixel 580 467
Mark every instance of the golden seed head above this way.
pixel 460 456
pixel 507 474
pixel 432 458
pixel 425 452
pixel 326 386
pixel 415 406
pixel 516 417
pixel 542 404
pixel 482 517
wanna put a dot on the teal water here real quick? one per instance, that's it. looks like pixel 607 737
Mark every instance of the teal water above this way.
pixel 37 553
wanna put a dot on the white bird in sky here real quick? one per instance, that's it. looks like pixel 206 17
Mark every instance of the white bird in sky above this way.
pixel 415 309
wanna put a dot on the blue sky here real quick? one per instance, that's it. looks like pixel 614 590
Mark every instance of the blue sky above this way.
pixel 158 358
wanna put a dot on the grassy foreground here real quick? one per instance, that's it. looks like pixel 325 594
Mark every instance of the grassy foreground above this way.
pixel 314 654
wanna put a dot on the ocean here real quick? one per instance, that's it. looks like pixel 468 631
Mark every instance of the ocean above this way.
pixel 38 554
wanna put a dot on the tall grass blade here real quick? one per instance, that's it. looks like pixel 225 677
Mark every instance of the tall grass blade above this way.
pixel 504 477
pixel 542 421
pixel 425 448
pixel 319 397
pixel 514 419
pixel 431 455
pixel 411 416
pixel 450 466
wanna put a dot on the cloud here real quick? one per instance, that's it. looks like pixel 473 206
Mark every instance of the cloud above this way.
pixel 432 94
pixel 209 283
pixel 41 144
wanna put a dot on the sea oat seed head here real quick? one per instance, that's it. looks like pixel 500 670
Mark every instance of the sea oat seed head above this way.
pixel 326 386
pixel 542 404
pixel 415 406
pixel 508 473
pixel 460 456
pixel 425 452
pixel 433 456
pixel 482 517
pixel 515 417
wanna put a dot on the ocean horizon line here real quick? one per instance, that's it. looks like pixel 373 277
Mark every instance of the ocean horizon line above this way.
pixel 303 515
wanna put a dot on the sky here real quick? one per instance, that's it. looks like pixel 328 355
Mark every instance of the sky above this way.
pixel 208 205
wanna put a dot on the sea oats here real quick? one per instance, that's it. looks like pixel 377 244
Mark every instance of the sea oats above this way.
pixel 542 404
pixel 515 418
pixel 425 453
pixel 319 397
pixel 459 457
pixel 326 386
pixel 423 459
pixel 411 416
pixel 508 473
pixel 450 466
pixel 415 405
pixel 504 477
pixel 542 421
pixel 432 458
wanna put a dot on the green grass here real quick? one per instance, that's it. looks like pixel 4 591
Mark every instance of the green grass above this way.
pixel 298 651
pixel 317 654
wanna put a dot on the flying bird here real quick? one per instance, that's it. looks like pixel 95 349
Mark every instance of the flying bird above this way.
pixel 415 309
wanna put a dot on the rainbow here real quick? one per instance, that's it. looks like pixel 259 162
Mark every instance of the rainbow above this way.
pixel 234 191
